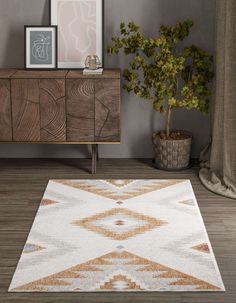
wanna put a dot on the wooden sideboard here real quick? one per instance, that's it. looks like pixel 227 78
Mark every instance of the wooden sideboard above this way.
pixel 60 107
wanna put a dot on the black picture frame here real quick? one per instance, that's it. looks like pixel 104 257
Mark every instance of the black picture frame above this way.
pixel 27 67
pixel 102 41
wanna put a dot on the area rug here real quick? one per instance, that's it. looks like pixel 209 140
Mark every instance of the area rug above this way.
pixel 117 235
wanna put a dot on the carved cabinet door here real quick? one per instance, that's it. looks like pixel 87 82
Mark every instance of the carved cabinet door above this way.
pixel 107 110
pixel 38 110
pixel 52 110
pixel 80 110
pixel 5 111
pixel 25 110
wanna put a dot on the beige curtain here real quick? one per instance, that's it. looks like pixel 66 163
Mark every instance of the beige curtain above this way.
pixel 218 171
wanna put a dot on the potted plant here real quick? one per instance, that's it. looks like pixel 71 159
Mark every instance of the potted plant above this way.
pixel 170 76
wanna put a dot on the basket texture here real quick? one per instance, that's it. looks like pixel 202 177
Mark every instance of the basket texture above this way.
pixel 172 154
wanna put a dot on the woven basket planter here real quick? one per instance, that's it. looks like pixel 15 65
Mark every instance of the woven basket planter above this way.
pixel 172 154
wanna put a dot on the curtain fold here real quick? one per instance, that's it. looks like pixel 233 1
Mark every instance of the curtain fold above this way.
pixel 218 172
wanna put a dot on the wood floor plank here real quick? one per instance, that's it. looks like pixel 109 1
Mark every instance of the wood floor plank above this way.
pixel 22 184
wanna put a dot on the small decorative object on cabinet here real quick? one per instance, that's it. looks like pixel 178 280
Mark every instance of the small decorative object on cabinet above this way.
pixel 171 78
pixel 92 62
pixel 40 47
pixel 60 107
pixel 80 24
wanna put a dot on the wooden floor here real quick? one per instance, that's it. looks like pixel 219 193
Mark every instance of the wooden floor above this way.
pixel 22 184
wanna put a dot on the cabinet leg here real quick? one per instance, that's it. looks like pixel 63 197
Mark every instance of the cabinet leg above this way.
pixel 94 158
pixel 97 154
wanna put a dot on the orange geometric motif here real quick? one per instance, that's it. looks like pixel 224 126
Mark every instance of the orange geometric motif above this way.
pixel 141 224
pixel 122 283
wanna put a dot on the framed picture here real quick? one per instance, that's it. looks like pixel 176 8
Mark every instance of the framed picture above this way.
pixel 80 30
pixel 40 47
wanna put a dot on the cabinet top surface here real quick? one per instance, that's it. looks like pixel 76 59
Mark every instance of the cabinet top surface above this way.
pixel 56 74
pixel 107 73
pixel 29 74
pixel 7 73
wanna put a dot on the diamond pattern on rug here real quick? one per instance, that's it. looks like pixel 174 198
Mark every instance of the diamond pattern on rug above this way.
pixel 117 235
pixel 119 224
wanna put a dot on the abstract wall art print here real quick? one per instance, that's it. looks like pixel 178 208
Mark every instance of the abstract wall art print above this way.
pixel 40 47
pixel 80 30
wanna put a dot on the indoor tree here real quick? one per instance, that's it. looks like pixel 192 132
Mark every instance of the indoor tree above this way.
pixel 162 71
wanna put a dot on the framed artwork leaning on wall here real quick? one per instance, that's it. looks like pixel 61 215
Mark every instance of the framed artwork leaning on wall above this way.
pixel 80 30
pixel 40 47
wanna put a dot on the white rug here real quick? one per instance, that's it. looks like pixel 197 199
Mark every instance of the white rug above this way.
pixel 117 235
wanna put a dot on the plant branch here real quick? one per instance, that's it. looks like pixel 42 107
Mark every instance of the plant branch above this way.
pixel 168 121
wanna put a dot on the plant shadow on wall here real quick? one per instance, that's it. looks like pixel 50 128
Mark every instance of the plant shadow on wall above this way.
pixel 171 77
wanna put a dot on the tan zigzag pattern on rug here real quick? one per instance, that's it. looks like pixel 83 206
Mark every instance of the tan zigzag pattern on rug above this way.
pixel 111 262
pixel 112 195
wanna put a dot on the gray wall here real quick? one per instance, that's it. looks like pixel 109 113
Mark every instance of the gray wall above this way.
pixel 138 119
